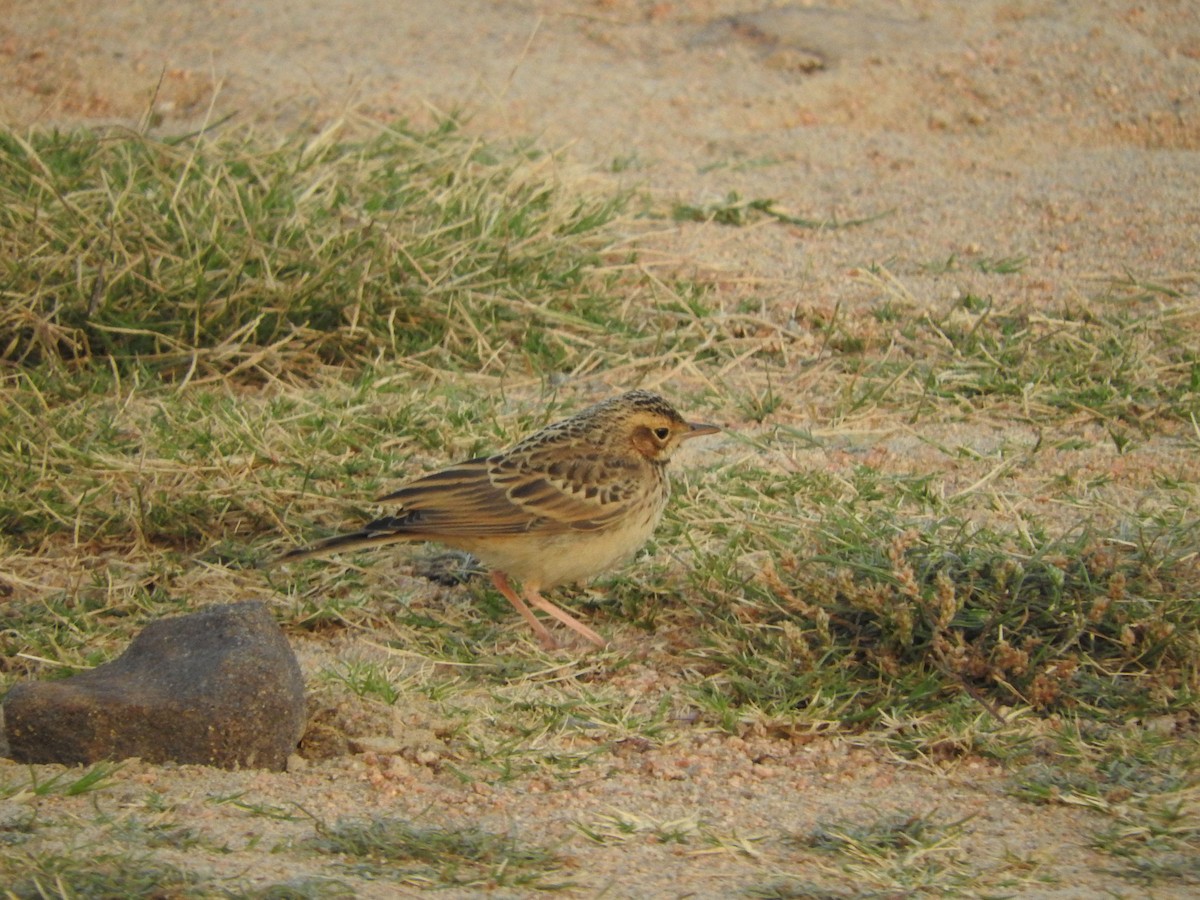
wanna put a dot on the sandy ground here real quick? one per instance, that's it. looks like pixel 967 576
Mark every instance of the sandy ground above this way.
pixel 1065 134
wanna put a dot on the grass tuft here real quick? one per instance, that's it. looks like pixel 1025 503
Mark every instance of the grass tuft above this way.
pixel 435 857
pixel 96 875
pixel 884 614
pixel 213 255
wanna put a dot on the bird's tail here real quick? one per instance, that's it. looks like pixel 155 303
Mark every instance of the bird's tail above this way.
pixel 388 530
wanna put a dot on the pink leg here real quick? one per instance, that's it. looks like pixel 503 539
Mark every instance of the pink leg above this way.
pixel 500 580
pixel 563 616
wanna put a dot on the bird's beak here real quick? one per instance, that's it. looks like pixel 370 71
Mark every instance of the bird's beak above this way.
pixel 699 428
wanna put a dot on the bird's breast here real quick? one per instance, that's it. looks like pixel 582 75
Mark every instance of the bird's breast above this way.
pixel 545 560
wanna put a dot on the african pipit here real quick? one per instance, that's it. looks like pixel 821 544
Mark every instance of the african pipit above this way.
pixel 566 503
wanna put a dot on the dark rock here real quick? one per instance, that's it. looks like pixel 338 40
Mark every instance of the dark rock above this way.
pixel 220 687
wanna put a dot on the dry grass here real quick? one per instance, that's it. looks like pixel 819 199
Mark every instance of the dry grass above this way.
pixel 236 257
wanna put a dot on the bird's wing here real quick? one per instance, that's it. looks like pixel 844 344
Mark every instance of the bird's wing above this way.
pixel 517 493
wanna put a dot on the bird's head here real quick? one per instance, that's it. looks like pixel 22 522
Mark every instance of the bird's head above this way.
pixel 653 426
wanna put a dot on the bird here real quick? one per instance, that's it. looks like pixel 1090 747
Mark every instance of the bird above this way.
pixel 561 506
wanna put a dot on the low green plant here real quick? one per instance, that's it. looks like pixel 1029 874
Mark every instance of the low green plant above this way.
pixel 436 857
pixel 42 875
pixel 228 253
pixel 877 616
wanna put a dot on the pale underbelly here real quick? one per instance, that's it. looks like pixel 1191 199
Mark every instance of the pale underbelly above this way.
pixel 565 558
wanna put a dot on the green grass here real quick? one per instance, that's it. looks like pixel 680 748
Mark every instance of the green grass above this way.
pixel 691 831
pixel 904 852
pixel 101 875
pixel 943 528
pixel 199 257
pixel 1144 784
pixel 894 854
pixel 365 678
pixel 303 889
pixel 735 211
pixel 1063 623
pixel 436 857
pixel 96 778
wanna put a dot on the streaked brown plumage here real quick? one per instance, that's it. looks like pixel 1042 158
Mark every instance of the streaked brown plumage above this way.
pixel 566 503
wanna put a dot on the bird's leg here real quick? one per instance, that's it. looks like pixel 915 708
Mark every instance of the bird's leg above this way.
pixel 500 580
pixel 565 617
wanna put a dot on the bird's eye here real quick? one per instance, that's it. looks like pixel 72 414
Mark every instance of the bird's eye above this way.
pixel 662 433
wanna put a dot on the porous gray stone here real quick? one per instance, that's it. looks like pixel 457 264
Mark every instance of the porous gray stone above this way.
pixel 219 687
